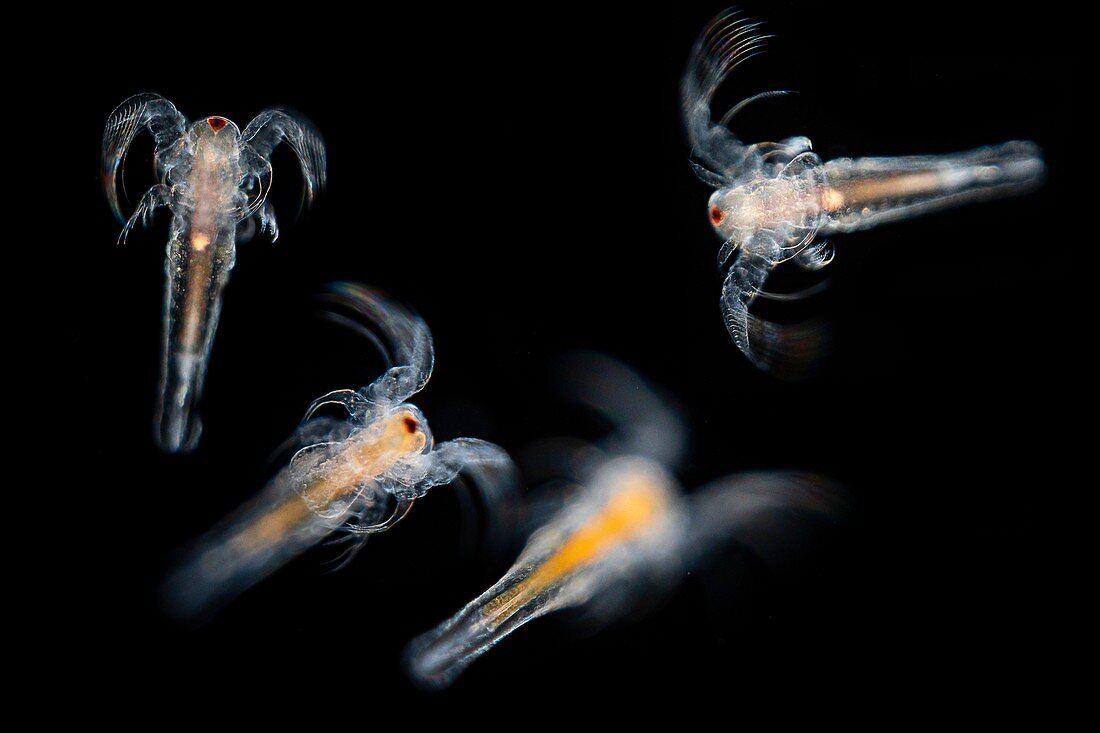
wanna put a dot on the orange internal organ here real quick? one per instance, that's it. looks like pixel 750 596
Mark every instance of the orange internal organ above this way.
pixel 630 512
pixel 272 527
pixel 858 193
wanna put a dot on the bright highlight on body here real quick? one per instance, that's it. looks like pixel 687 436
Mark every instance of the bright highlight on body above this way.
pixel 351 477
pixel 626 531
pixel 215 179
pixel 775 201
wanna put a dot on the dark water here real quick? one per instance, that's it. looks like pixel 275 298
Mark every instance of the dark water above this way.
pixel 520 178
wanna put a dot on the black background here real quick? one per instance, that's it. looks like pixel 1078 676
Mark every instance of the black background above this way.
pixel 519 177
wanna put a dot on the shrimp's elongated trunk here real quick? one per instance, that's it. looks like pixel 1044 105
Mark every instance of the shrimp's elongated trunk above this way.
pixel 213 178
pixel 201 253
pixel 864 192
pixel 259 538
pixel 309 499
pixel 560 567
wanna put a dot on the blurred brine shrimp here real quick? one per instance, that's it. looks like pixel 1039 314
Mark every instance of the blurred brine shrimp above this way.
pixel 354 476
pixel 625 530
pixel 215 179
pixel 775 201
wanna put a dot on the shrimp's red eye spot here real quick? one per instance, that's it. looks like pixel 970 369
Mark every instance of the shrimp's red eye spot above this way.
pixel 410 424
pixel 716 215
pixel 217 124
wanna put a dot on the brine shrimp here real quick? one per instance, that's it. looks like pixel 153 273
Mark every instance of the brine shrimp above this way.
pixel 775 201
pixel 352 476
pixel 215 179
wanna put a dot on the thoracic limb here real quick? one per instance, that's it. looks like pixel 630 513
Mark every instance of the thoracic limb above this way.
pixel 267 220
pixel 405 341
pixel 157 196
pixel 490 467
pixel 643 422
pixel 148 111
pixel 273 126
pixel 369 506
pixel 761 510
pixel 789 351
pixel 816 255
pixel 744 281
pixel 319 429
pixel 421 472
pixel 349 399
pixel 727 42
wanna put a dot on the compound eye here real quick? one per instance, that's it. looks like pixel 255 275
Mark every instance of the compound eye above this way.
pixel 717 216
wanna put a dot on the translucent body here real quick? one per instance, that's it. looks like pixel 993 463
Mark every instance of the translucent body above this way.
pixel 356 476
pixel 625 520
pixel 773 201
pixel 626 533
pixel 213 178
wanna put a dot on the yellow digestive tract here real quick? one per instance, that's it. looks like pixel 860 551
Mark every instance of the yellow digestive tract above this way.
pixel 632 510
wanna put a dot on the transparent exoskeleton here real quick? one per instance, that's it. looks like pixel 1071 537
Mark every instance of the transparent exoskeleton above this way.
pixel 775 202
pixel 215 179
pixel 625 532
pixel 352 476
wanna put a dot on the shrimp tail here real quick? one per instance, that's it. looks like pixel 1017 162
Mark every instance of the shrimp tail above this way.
pixel 253 542
pixel 196 280
pixel 864 192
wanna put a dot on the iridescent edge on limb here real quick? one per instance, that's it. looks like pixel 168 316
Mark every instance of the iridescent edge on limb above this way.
pixel 213 178
pixel 349 477
pixel 774 200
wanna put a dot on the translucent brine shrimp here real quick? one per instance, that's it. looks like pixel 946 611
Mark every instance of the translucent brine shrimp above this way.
pixel 214 178
pixel 774 201
pixel 624 522
pixel 626 533
pixel 631 527
pixel 355 476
